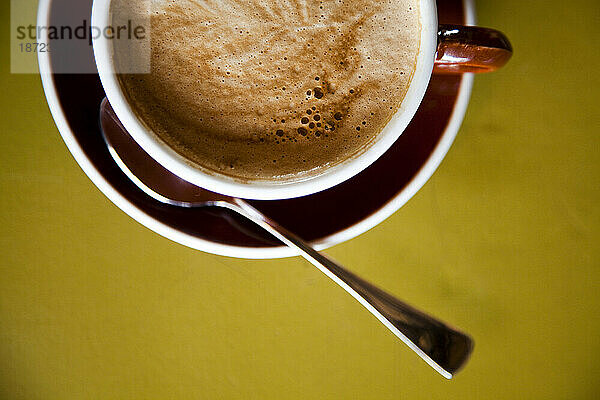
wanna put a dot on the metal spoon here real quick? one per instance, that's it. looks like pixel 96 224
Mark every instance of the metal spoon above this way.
pixel 442 347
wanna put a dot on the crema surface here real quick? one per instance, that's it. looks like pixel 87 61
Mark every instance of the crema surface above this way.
pixel 280 89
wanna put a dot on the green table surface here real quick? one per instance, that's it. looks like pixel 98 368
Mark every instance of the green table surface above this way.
pixel 502 242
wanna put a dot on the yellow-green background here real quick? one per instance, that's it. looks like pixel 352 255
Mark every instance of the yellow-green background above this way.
pixel 502 241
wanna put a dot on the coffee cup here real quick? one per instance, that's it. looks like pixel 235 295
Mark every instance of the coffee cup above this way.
pixel 450 49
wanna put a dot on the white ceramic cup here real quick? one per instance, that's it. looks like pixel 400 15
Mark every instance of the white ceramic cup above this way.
pixel 452 48
pixel 271 190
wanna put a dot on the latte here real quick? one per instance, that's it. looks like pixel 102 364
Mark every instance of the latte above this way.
pixel 263 90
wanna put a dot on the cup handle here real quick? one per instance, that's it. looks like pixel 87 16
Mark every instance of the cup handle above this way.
pixel 470 49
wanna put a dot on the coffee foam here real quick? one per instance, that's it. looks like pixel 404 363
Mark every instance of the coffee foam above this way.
pixel 257 89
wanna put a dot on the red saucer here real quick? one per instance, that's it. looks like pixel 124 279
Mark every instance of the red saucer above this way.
pixel 327 217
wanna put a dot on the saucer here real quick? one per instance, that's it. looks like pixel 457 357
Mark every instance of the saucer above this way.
pixel 326 218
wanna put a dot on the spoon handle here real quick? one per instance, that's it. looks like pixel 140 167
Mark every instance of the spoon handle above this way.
pixel 442 347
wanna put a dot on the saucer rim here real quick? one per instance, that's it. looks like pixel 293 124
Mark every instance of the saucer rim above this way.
pixel 417 182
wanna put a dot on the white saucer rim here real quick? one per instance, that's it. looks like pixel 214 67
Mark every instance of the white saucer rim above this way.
pixel 208 246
